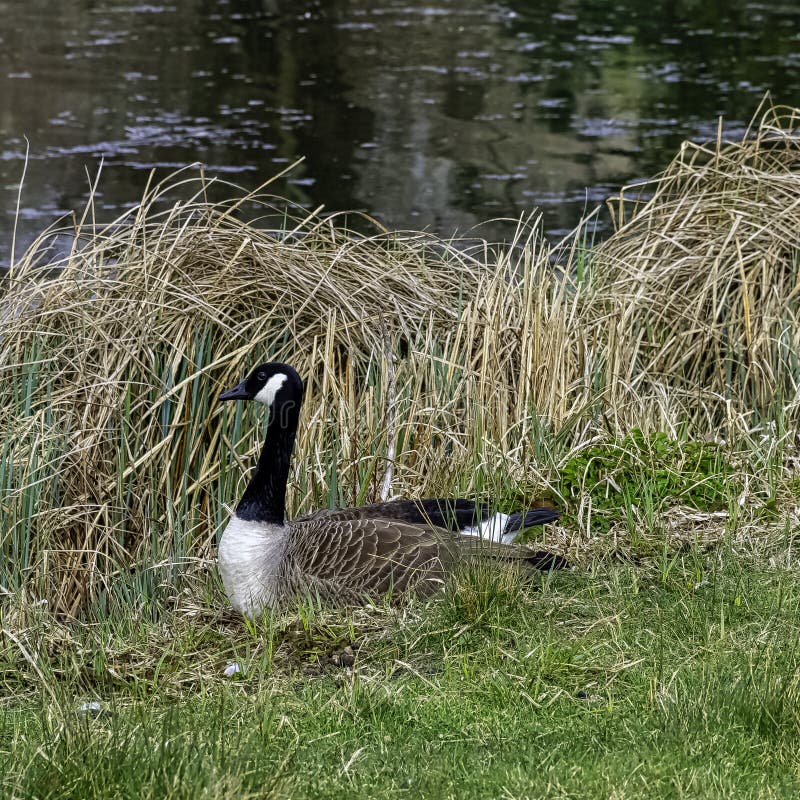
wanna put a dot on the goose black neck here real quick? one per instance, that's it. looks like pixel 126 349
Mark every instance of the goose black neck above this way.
pixel 264 499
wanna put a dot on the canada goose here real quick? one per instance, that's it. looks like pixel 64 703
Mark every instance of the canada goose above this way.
pixel 348 555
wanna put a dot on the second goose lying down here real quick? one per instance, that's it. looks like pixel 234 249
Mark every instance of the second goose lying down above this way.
pixel 349 555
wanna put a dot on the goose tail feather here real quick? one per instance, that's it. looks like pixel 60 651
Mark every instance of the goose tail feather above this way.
pixel 521 520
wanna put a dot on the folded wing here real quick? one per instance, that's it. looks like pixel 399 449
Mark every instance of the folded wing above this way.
pixel 334 555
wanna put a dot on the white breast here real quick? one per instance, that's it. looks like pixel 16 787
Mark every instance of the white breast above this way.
pixel 250 554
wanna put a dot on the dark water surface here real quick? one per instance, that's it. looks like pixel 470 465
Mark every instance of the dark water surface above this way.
pixel 430 115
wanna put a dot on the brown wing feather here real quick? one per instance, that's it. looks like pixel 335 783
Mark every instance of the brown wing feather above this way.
pixel 344 559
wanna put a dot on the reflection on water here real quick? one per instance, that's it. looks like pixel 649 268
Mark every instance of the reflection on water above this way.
pixel 435 115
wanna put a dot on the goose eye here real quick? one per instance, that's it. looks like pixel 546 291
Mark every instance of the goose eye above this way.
pixel 262 376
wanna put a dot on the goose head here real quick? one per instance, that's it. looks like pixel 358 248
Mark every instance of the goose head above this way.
pixel 276 385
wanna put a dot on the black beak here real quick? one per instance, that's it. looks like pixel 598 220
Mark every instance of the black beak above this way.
pixel 237 393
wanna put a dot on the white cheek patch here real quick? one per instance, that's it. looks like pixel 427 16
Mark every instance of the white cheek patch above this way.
pixel 267 394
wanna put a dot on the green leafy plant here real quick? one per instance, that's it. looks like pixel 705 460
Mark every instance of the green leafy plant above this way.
pixel 651 469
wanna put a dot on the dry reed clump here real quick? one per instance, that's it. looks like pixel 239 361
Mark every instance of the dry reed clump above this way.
pixel 115 454
pixel 701 278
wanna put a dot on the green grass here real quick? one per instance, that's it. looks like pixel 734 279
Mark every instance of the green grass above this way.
pixel 651 469
pixel 670 679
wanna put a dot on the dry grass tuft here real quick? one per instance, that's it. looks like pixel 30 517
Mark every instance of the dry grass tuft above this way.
pixel 116 456
pixel 701 278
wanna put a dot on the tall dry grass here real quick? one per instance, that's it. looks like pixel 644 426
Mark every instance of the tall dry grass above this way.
pixel 116 455
pixel 701 280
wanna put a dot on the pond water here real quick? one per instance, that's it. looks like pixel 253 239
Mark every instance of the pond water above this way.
pixel 434 115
